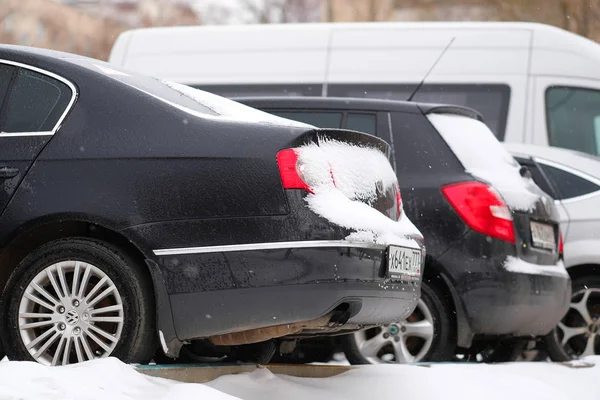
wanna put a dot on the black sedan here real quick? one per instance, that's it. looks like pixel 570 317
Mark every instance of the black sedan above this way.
pixel 138 214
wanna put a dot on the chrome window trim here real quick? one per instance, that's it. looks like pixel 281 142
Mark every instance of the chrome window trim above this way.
pixel 575 172
pixel 67 82
pixel 269 246
pixel 20 134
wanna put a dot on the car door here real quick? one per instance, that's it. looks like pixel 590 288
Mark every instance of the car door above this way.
pixel 579 194
pixel 33 104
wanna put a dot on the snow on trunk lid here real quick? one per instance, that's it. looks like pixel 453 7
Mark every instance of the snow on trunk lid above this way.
pixel 484 157
pixel 355 187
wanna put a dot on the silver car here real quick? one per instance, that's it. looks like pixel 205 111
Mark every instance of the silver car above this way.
pixel 573 180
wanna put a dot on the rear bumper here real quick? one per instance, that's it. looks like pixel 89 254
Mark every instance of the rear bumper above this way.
pixel 232 291
pixel 496 299
pixel 517 304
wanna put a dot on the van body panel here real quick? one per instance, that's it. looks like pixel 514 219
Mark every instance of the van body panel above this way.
pixel 312 59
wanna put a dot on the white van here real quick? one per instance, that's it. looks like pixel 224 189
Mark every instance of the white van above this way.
pixel 533 83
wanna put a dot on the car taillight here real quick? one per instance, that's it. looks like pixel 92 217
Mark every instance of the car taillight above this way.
pixel 291 170
pixel 560 243
pixel 482 209
pixel 398 202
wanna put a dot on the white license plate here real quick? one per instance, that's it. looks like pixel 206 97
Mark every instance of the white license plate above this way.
pixel 404 263
pixel 542 235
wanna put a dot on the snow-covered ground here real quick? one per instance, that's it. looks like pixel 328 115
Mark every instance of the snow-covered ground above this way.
pixel 110 379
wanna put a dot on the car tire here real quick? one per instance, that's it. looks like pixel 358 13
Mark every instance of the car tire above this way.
pixel 75 299
pixel 440 345
pixel 585 288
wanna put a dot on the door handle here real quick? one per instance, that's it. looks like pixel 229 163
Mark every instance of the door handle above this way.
pixel 8 172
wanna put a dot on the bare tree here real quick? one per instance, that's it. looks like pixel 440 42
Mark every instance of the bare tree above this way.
pixel 281 11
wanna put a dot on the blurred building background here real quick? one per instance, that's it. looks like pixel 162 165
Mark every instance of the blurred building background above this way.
pixel 89 27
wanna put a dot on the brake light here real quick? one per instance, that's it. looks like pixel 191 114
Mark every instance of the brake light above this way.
pixel 290 170
pixel 398 202
pixel 482 209
pixel 560 243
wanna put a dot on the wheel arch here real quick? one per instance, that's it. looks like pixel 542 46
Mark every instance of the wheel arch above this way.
pixel 434 274
pixel 577 271
pixel 43 230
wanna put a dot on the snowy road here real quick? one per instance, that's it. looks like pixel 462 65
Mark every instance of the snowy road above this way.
pixel 111 379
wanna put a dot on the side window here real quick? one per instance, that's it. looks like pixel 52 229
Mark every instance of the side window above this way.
pixel 6 73
pixel 490 100
pixel 537 176
pixel 567 184
pixel 318 119
pixel 362 122
pixel 419 148
pixel 573 118
pixel 36 103
pixel 230 91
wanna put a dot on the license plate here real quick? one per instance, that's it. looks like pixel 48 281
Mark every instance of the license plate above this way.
pixel 542 235
pixel 404 263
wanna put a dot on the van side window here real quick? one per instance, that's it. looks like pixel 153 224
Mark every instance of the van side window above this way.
pixel 316 118
pixel 490 100
pixel 230 91
pixel 362 123
pixel 573 118
pixel 568 185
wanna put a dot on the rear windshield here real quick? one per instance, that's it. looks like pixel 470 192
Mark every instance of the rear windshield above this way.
pixel 484 157
pixel 185 98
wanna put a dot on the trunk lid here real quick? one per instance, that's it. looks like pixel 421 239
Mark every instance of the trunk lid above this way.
pixel 534 216
pixel 350 182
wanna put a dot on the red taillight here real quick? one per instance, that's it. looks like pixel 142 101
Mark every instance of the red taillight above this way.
pixel 398 202
pixel 560 243
pixel 290 170
pixel 482 209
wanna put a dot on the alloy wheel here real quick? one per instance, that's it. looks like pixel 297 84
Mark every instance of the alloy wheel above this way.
pixel 401 342
pixel 70 312
pixel 579 331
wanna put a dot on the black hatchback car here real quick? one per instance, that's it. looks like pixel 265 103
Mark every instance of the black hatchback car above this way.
pixel 138 213
pixel 493 269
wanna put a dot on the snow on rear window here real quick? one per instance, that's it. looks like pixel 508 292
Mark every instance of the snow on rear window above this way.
pixel 344 180
pixel 229 108
pixel 484 157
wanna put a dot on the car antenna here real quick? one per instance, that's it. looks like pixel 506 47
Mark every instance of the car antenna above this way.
pixel 431 69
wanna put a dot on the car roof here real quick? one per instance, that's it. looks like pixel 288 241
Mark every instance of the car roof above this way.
pixel 572 159
pixel 354 103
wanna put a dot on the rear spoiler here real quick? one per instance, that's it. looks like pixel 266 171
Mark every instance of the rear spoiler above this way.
pixel 344 135
pixel 455 110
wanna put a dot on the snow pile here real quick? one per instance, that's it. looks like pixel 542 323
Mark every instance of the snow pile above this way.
pixel 344 181
pixel 111 379
pixel 515 381
pixel 101 379
pixel 514 264
pixel 484 157
pixel 230 109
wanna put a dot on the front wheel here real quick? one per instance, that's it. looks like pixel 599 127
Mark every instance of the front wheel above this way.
pixel 428 334
pixel 74 300
pixel 578 333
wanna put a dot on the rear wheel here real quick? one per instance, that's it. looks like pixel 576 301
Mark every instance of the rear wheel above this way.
pixel 73 300
pixel 578 333
pixel 428 334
